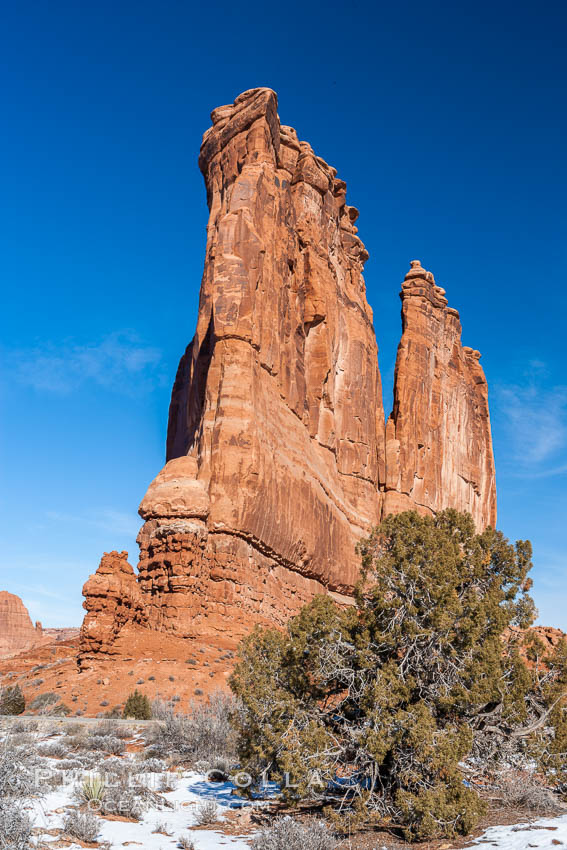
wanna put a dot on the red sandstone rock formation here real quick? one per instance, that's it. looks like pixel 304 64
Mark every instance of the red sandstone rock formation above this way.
pixel 276 453
pixel 112 601
pixel 549 636
pixel 17 633
pixel 276 436
pixel 439 445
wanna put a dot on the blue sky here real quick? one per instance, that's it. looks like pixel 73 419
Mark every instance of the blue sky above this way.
pixel 448 123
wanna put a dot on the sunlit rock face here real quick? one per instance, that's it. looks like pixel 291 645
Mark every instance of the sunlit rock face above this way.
pixel 439 444
pixel 278 455
pixel 113 601
pixel 17 632
pixel 276 429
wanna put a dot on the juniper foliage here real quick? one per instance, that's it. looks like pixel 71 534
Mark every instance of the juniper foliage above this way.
pixel 137 706
pixel 373 709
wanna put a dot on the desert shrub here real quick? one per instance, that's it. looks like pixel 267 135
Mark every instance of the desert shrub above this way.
pixel 138 706
pixel 54 749
pixel 68 764
pixel 162 709
pixel 114 713
pixel 61 710
pixel 91 791
pixel 109 726
pixel 186 843
pixel 396 691
pixel 207 811
pixel 54 780
pixel 72 729
pixel 106 744
pixel 121 769
pixel 124 799
pixel 205 733
pixel 153 765
pixel 20 739
pixel 25 725
pixel 15 827
pixel 167 782
pixel 82 825
pixel 44 700
pixel 523 790
pixel 77 742
pixel 217 768
pixel 115 793
pixel 88 760
pixel 17 781
pixel 289 834
pixel 12 700
pixel 548 710
pixel 17 771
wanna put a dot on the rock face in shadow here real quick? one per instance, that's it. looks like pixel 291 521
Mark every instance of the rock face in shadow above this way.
pixel 17 632
pixel 439 444
pixel 278 455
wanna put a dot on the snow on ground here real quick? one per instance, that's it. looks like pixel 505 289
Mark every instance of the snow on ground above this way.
pixel 193 788
pixel 544 833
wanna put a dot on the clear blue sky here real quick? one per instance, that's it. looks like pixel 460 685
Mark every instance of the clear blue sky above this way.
pixel 448 123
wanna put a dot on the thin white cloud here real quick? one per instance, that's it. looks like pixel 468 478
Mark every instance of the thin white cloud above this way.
pixel 534 420
pixel 68 614
pixel 40 590
pixel 115 522
pixel 118 362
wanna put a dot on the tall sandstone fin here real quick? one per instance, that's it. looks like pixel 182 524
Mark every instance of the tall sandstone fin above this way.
pixel 276 431
pixel 439 444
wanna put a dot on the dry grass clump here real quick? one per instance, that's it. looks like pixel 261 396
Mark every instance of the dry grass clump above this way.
pixel 206 812
pixel 289 834
pixel 15 827
pixel 204 734
pixel 82 825
pixel 521 790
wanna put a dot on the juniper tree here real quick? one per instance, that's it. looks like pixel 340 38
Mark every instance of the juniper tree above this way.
pixel 137 706
pixel 372 709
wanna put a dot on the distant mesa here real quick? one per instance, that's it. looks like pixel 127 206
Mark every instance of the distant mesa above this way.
pixel 18 633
